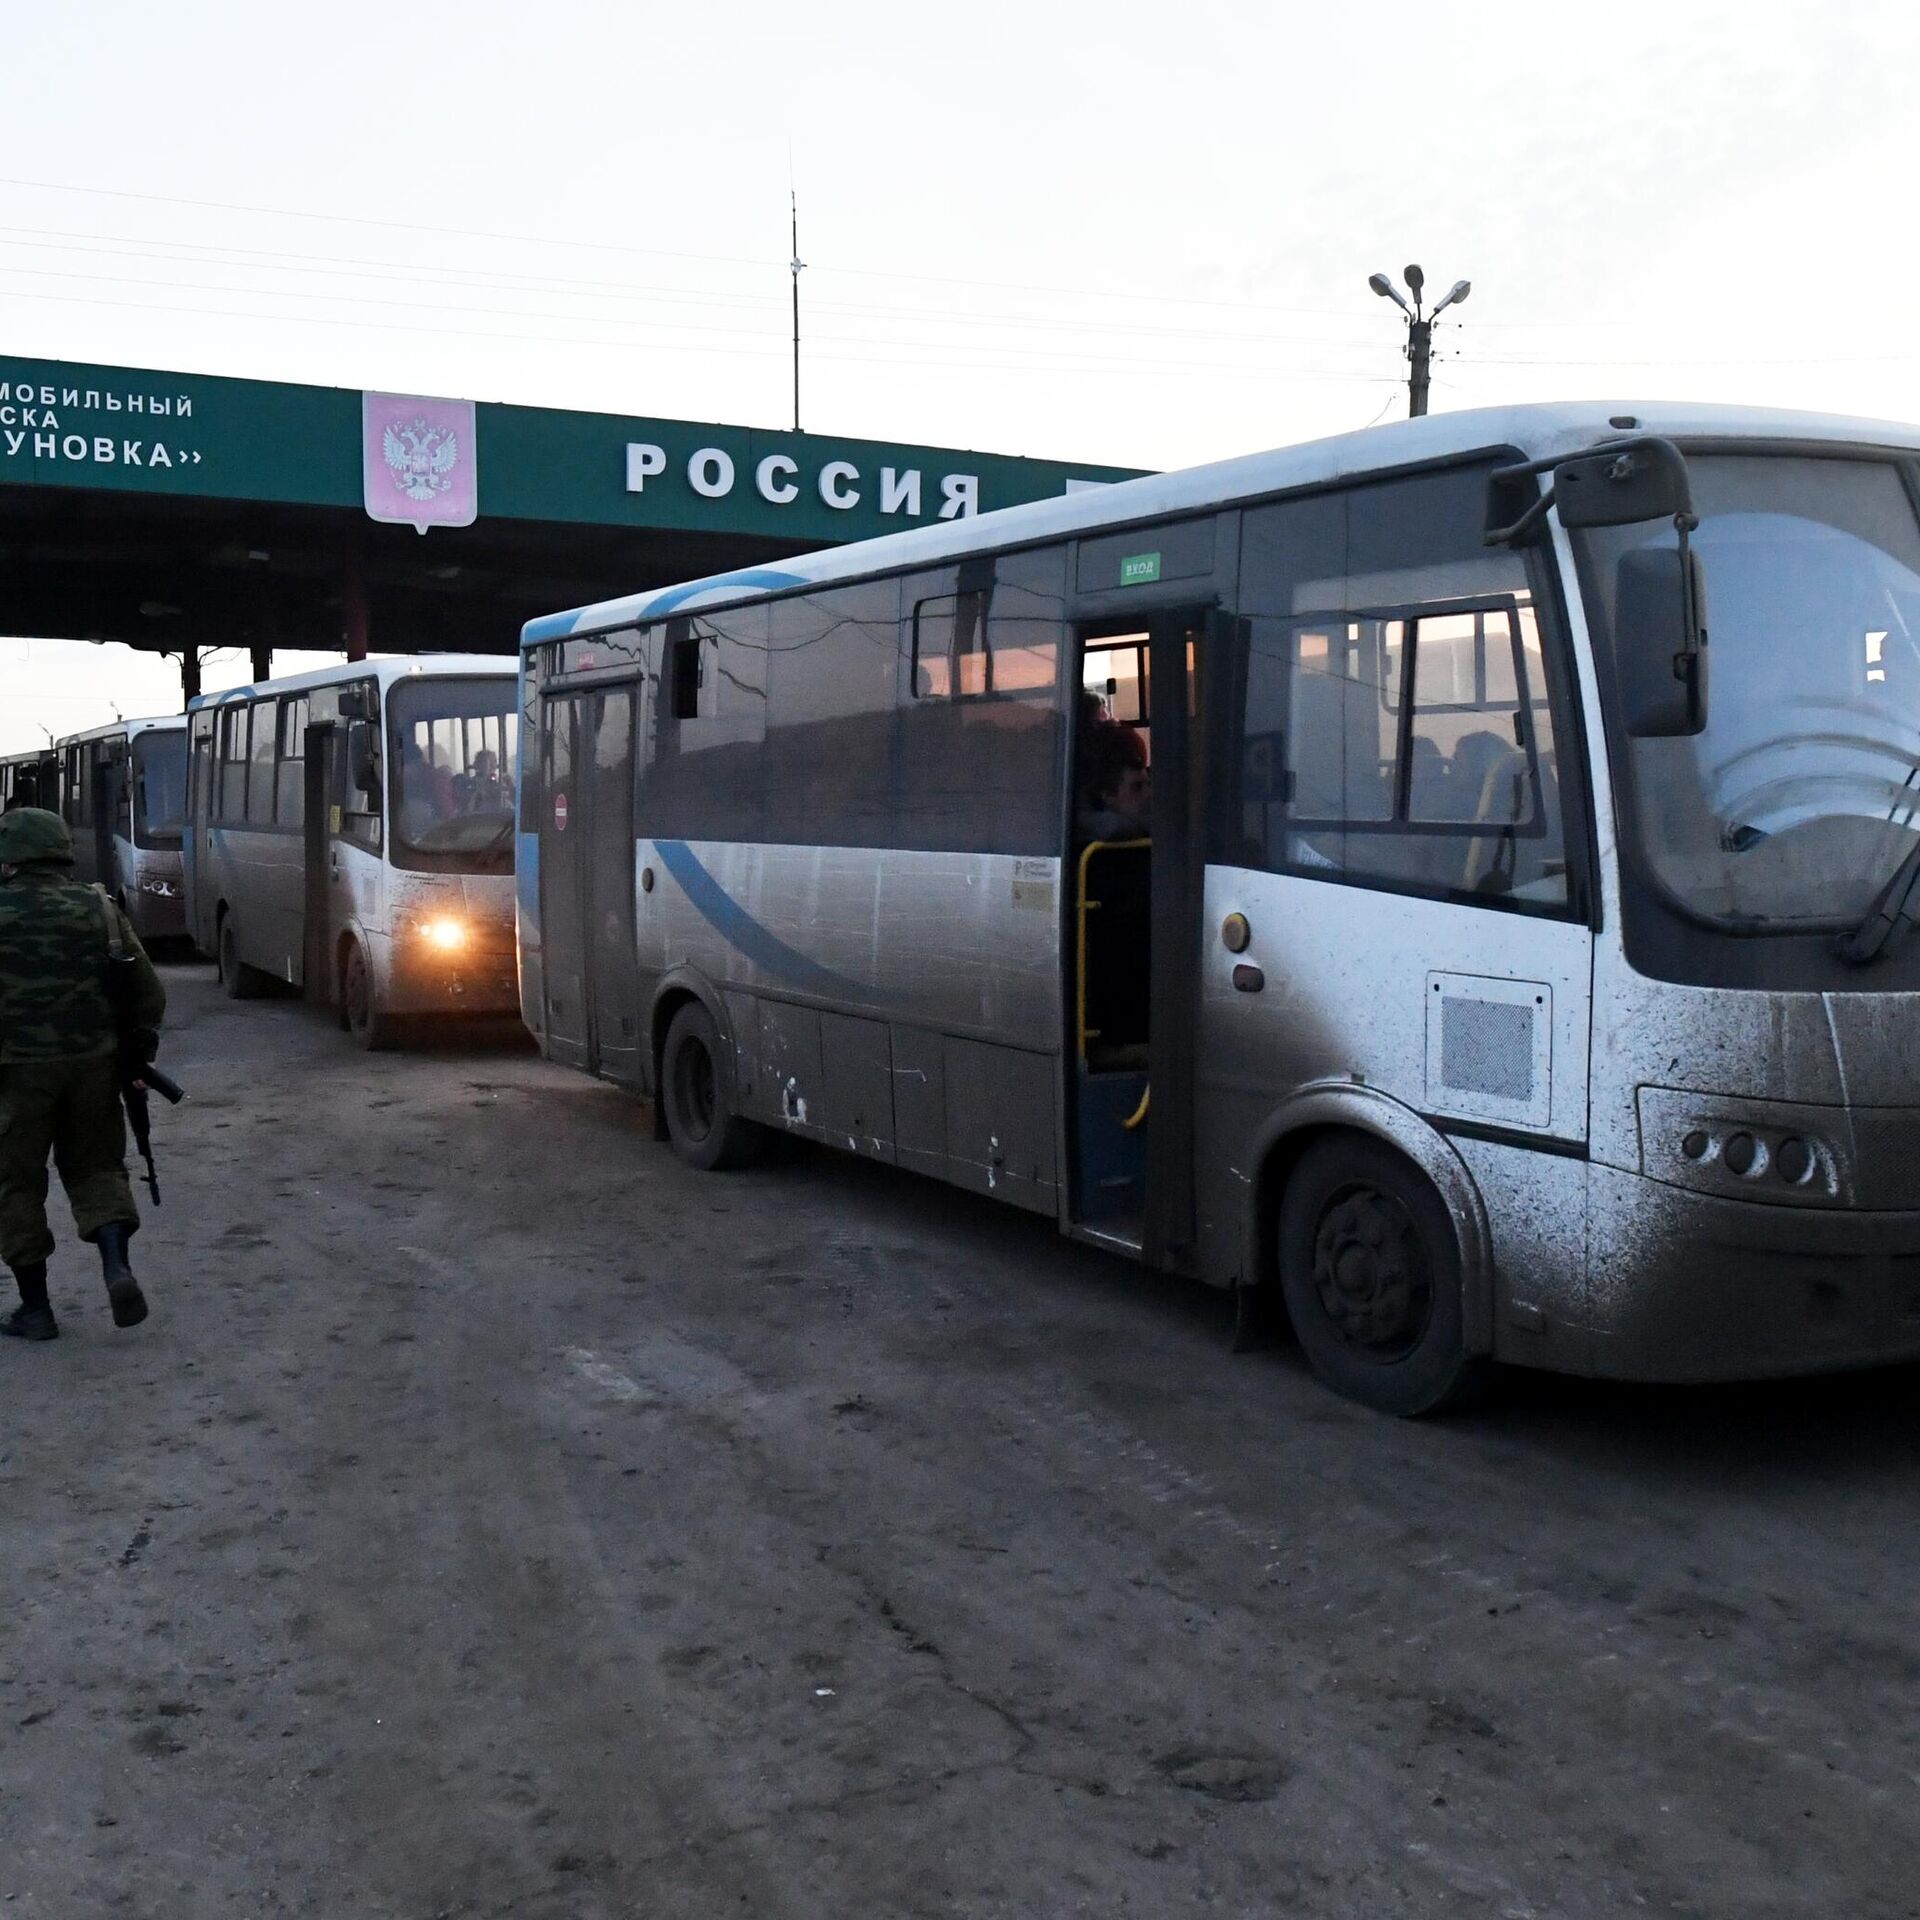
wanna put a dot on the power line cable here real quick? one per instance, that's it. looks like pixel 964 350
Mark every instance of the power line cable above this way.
pixel 1070 365
pixel 531 313
pixel 662 253
pixel 392 226
pixel 613 290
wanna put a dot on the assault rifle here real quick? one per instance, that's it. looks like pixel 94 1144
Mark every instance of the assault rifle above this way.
pixel 135 1047
pixel 138 1078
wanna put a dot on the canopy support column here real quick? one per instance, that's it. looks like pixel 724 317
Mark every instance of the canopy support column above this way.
pixel 353 605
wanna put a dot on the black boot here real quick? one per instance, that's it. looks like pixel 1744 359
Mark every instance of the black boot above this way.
pixel 123 1290
pixel 33 1318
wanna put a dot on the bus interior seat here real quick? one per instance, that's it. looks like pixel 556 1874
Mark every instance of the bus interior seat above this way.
pixel 1430 780
pixel 1495 772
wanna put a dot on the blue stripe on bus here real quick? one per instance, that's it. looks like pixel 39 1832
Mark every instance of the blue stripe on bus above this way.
pixel 562 626
pixel 526 877
pixel 768 577
pixel 760 944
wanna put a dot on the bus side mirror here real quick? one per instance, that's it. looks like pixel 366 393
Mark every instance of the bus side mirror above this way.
pixel 1621 485
pixel 361 762
pixel 355 704
pixel 1660 628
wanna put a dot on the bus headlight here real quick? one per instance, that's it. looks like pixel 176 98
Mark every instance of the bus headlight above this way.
pixel 442 933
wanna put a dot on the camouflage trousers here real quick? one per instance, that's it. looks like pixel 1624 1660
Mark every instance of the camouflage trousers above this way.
pixel 71 1109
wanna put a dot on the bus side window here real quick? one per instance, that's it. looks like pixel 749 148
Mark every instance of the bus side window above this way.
pixel 1451 796
pixel 260 775
pixel 951 656
pixel 833 672
pixel 978 727
pixel 685 668
pixel 1392 722
pixel 360 806
pixel 200 770
pixel 232 804
pixel 290 775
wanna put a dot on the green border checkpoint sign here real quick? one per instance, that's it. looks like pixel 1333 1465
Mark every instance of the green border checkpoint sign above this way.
pixel 208 436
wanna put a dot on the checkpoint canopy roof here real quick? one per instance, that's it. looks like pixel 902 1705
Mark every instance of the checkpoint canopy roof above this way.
pixel 184 511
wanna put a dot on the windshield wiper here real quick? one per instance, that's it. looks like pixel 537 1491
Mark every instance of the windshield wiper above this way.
pixel 1890 919
pixel 498 841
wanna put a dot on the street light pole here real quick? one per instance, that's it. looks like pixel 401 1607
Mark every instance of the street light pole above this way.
pixel 1419 330
pixel 1419 366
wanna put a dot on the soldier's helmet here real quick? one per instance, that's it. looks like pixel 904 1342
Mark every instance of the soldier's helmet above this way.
pixel 28 834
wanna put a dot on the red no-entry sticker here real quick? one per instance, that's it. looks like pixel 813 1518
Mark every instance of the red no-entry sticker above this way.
pixel 560 812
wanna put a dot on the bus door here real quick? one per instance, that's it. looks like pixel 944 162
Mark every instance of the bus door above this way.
pixel 323 772
pixel 1137 869
pixel 109 795
pixel 199 810
pixel 593 1016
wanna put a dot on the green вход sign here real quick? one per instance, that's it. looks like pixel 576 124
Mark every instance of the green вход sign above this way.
pixel 1136 569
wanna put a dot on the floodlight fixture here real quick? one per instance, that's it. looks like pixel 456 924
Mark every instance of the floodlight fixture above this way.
pixel 1388 291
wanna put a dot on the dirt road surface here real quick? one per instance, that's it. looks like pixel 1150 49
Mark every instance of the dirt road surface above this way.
pixel 495 1518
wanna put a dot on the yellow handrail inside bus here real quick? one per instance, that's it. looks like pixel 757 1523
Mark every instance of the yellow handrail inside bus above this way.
pixel 1140 1112
pixel 1082 907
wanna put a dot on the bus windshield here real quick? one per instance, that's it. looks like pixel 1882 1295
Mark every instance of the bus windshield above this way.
pixel 453 764
pixel 160 781
pixel 1802 795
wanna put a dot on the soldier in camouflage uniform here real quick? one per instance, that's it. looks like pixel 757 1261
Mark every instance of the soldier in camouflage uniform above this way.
pixel 60 1066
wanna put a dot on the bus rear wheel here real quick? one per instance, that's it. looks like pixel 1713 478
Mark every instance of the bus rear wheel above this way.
pixel 1370 1271
pixel 360 1012
pixel 241 981
pixel 697 1095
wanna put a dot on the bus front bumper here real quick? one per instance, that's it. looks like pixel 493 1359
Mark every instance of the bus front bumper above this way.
pixel 1685 1286
pixel 157 911
pixel 479 977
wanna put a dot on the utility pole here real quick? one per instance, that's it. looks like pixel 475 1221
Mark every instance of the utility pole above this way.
pixel 1419 329
pixel 798 264
pixel 1419 366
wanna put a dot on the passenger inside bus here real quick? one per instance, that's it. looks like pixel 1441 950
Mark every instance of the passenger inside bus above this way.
pixel 481 791
pixel 421 792
pixel 1115 787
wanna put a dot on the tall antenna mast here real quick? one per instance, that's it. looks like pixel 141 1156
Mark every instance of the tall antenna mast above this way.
pixel 798 263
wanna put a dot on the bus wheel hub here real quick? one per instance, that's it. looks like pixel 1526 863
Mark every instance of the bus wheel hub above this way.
pixel 1369 1275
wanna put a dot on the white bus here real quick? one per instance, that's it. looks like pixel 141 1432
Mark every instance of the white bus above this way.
pixel 1484 987
pixel 351 834
pixel 30 780
pixel 122 792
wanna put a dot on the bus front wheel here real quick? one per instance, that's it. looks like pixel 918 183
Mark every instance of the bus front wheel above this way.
pixel 360 1010
pixel 241 981
pixel 697 1096
pixel 1370 1271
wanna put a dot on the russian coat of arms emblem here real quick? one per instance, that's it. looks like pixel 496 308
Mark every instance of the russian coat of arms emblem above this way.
pixel 419 460
pixel 422 457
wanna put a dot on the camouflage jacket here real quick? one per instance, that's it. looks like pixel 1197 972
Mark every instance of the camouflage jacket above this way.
pixel 53 965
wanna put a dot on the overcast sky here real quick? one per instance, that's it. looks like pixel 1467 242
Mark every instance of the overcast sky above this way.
pixel 1122 233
